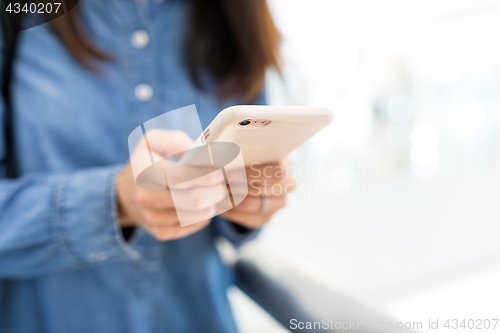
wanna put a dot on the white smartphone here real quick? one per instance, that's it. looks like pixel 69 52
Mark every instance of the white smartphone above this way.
pixel 264 134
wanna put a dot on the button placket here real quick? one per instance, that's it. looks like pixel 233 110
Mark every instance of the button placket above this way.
pixel 140 39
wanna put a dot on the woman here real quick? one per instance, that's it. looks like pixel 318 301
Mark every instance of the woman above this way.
pixel 82 248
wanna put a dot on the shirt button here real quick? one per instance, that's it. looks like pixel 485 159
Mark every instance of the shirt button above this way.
pixel 140 39
pixel 143 92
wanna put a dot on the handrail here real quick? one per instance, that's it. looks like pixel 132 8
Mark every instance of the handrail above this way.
pixel 288 294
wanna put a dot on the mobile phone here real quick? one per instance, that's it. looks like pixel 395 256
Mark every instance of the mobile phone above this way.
pixel 265 134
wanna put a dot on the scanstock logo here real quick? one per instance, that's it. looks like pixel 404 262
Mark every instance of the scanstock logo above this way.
pixel 21 14
pixel 158 164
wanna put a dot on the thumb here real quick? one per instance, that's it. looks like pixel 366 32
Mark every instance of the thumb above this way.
pixel 168 143
pixel 155 146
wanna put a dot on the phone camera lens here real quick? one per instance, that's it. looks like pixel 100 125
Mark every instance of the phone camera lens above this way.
pixel 245 122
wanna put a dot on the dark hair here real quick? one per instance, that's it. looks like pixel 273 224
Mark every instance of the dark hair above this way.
pixel 234 40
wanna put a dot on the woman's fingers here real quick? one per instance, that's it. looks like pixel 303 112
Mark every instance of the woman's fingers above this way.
pixel 169 217
pixel 249 214
pixel 155 199
pixel 253 205
pixel 262 172
pixel 192 194
pixel 168 143
pixel 153 147
pixel 190 199
pixel 271 187
pixel 272 181
pixel 250 221
pixel 199 198
pixel 175 231
pixel 162 195
pixel 183 176
pixel 159 218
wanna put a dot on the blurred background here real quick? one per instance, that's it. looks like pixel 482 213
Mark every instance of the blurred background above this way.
pixel 398 199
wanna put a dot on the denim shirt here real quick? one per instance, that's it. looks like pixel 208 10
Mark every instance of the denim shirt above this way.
pixel 64 265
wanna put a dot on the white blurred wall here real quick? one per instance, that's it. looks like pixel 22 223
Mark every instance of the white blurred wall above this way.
pixel 413 154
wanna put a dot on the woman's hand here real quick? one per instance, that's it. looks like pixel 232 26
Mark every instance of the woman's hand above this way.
pixel 268 186
pixel 154 210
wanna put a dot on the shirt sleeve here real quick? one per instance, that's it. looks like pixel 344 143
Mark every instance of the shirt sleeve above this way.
pixel 237 236
pixel 50 223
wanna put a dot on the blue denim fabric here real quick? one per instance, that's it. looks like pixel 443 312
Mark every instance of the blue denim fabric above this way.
pixel 64 266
